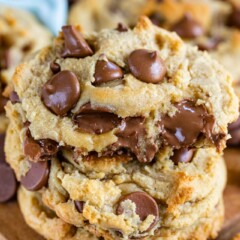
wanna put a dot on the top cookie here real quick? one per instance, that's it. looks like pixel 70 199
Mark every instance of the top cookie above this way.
pixel 122 92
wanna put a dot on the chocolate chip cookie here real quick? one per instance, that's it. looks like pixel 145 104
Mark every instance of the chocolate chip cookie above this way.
pixel 133 101
pixel 117 200
pixel 20 36
pixel 32 208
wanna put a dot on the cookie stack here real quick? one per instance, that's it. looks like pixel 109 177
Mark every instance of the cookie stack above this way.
pixel 19 37
pixel 119 135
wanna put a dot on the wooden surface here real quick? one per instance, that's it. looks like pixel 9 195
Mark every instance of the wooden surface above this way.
pixel 13 227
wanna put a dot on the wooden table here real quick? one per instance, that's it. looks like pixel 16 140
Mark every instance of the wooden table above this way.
pixel 13 227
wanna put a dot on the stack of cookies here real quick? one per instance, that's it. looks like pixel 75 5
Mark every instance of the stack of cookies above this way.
pixel 119 135
pixel 19 38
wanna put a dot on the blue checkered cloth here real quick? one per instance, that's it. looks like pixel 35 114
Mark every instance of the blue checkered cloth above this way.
pixel 52 13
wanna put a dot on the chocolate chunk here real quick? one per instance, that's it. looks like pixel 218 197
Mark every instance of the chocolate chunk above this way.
pixel 96 120
pixel 210 45
pixel 147 66
pixel 14 98
pixel 39 150
pixel 106 71
pixel 133 136
pixel 55 67
pixel 37 176
pixel 2 153
pixel 27 47
pixel 79 205
pixel 157 18
pixel 183 129
pixel 3 102
pixel 8 183
pixel 187 27
pixel 121 27
pixel 4 59
pixel 182 155
pixel 145 206
pixel 75 44
pixel 61 93
pixel 234 18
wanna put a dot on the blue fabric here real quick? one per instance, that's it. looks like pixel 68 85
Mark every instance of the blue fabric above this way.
pixel 52 13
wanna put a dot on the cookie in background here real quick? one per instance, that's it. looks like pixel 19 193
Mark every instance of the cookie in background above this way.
pixel 20 36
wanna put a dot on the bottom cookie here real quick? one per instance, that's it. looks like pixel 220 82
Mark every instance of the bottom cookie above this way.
pixel 46 223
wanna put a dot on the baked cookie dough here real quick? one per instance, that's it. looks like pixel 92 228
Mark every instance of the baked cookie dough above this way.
pixel 105 197
pixel 117 93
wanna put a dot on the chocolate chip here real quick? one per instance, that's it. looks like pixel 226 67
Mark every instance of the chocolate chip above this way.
pixel 157 18
pixel 39 150
pixel 3 102
pixel 133 136
pixel 187 27
pixel 8 183
pixel 37 176
pixel 2 153
pixel 145 206
pixel 96 120
pixel 147 66
pixel 14 98
pixel 79 205
pixel 183 129
pixel 75 45
pixel 27 47
pixel 210 45
pixel 55 67
pixel 121 27
pixel 61 93
pixel 106 71
pixel 182 155
pixel 234 18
